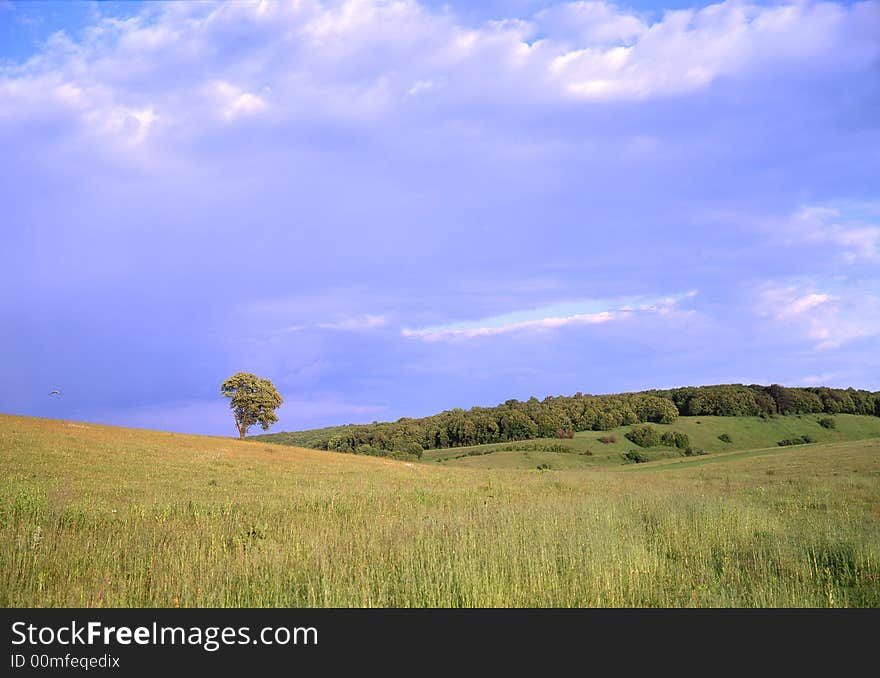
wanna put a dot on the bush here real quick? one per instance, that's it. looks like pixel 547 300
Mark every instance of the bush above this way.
pixel 827 422
pixel 634 456
pixel 406 449
pixel 675 439
pixel 725 438
pixel 608 439
pixel 801 440
pixel 643 436
pixel 588 453
pixel 543 467
pixel 693 452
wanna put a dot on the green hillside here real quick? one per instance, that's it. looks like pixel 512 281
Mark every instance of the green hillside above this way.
pixel 560 416
pixel 586 450
pixel 107 517
pixel 309 438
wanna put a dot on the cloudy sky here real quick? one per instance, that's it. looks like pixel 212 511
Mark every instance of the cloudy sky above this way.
pixel 395 208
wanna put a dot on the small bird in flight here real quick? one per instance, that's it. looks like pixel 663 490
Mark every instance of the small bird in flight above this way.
pixel 55 392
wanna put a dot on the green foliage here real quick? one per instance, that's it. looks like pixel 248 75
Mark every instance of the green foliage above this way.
pixel 521 447
pixel 827 422
pixel 724 401
pixel 800 440
pixel 406 449
pixel 654 409
pixel 693 452
pixel 725 438
pixel 794 400
pixel 253 400
pixel 644 436
pixel 634 456
pixel 675 439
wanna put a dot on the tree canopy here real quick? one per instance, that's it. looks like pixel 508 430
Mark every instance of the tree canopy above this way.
pixel 253 400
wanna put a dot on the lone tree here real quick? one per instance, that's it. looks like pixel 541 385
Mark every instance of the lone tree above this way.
pixel 253 401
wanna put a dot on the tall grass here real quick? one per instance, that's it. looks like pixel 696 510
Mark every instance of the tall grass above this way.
pixel 112 517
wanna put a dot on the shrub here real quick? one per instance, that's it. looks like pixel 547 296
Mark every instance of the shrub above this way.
pixel 543 467
pixel 643 436
pixel 675 439
pixel 608 439
pixel 588 453
pixel 800 440
pixel 406 449
pixel 634 456
pixel 725 438
pixel 693 452
pixel 827 422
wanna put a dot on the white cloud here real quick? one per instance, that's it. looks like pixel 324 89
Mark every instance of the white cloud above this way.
pixel 817 379
pixel 357 323
pixel 827 320
pixel 550 317
pixel 591 22
pixel 234 102
pixel 799 305
pixel 354 62
pixel 854 229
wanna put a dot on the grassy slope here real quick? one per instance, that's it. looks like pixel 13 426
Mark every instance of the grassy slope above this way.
pixel 94 515
pixel 300 438
pixel 746 433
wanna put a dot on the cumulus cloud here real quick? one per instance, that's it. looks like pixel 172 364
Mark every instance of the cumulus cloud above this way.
pixel 233 102
pixel 356 60
pixel 593 23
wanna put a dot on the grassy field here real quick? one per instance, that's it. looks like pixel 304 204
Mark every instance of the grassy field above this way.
pixel 101 516
pixel 585 450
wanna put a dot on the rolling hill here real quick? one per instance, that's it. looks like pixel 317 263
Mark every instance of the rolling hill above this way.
pixel 561 416
pixel 103 516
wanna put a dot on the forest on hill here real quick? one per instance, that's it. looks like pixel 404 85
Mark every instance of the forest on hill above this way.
pixel 562 416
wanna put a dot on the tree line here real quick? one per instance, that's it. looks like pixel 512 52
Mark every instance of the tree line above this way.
pixel 561 416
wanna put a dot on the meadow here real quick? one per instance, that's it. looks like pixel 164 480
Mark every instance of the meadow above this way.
pixel 100 516
pixel 586 449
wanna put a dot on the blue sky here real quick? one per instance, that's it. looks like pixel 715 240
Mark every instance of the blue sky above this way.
pixel 394 208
